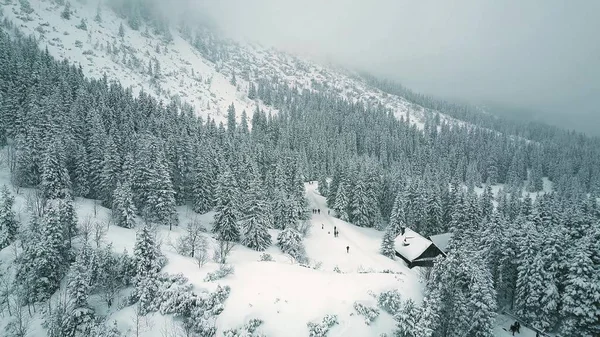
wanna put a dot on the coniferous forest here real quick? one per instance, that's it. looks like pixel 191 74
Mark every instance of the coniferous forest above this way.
pixel 69 136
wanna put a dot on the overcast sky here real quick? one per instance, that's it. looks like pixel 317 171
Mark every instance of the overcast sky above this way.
pixel 541 55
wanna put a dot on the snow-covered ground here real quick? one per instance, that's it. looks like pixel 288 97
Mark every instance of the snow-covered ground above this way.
pixel 284 294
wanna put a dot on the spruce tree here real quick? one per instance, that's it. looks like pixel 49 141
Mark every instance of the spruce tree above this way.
pixel 406 325
pixel 341 203
pixel 145 257
pixel 323 186
pixel 80 278
pixel 387 243
pixel 123 209
pixel 55 177
pixel 226 218
pixel 359 205
pixel 290 242
pixel 8 223
pixel 255 226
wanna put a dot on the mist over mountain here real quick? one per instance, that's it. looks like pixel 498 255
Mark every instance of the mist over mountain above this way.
pixel 538 56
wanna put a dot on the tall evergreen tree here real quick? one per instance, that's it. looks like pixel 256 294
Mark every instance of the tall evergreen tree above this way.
pixel 255 226
pixel 8 223
pixel 225 225
pixel 123 208
pixel 145 257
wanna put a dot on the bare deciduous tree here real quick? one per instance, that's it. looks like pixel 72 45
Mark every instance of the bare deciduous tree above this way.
pixel 222 251
pixel 86 228
pixel 140 322
pixel 6 292
pixel 99 230
pixel 192 242
pixel 20 323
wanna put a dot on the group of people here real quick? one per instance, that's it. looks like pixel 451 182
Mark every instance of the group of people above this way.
pixel 515 327
pixel 336 233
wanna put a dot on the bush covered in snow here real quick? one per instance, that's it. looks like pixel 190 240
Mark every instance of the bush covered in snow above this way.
pixel 290 242
pixel 369 313
pixel 390 301
pixel 248 330
pixel 220 273
pixel 337 269
pixel 266 257
pixel 321 329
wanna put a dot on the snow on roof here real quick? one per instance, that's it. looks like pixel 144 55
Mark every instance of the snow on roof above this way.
pixel 411 245
pixel 441 241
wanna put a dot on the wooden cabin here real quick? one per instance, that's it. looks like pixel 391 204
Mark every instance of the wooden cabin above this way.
pixel 418 251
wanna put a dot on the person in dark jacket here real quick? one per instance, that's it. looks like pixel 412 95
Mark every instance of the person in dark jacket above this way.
pixel 347 249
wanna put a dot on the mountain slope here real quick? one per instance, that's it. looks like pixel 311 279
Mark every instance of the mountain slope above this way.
pixel 179 69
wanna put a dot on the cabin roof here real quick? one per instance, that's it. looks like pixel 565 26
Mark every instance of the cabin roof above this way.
pixel 441 241
pixel 413 247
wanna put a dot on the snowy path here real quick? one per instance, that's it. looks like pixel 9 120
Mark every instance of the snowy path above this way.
pixel 364 243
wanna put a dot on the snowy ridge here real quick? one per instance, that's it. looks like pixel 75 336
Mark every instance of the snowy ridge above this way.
pixel 100 51
pixel 145 62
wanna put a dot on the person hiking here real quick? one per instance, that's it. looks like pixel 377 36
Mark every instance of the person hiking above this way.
pixel 512 329
pixel 518 326
pixel 322 226
pixel 319 211
pixel 328 212
pixel 347 249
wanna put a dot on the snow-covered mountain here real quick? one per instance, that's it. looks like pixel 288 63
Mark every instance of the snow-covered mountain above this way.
pixel 143 60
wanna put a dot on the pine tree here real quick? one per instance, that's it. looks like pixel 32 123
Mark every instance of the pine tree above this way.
pixel 121 31
pixel 55 177
pixel 123 210
pixel 252 92
pixel 233 79
pixel 406 320
pixel 111 165
pixel 231 123
pixel 160 203
pixel 68 219
pixel 255 226
pixel 145 257
pixel 8 223
pixel 225 225
pixel 66 13
pixel 397 224
pixel 290 242
pixel 580 307
pixel 387 243
pixel 323 186
pixel 360 212
pixel 80 278
pixel 341 203
pixel 487 206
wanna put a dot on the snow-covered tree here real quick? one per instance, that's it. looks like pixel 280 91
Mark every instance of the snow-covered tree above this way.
pixel 145 256
pixel 255 225
pixel 225 225
pixel 123 209
pixel 341 203
pixel 8 223
pixel 290 242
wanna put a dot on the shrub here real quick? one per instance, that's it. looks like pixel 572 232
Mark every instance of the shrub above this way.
pixel 220 273
pixel 246 331
pixel 337 269
pixel 369 313
pixel 390 301
pixel 321 329
pixel 266 257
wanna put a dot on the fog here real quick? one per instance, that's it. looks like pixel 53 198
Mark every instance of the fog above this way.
pixel 537 56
